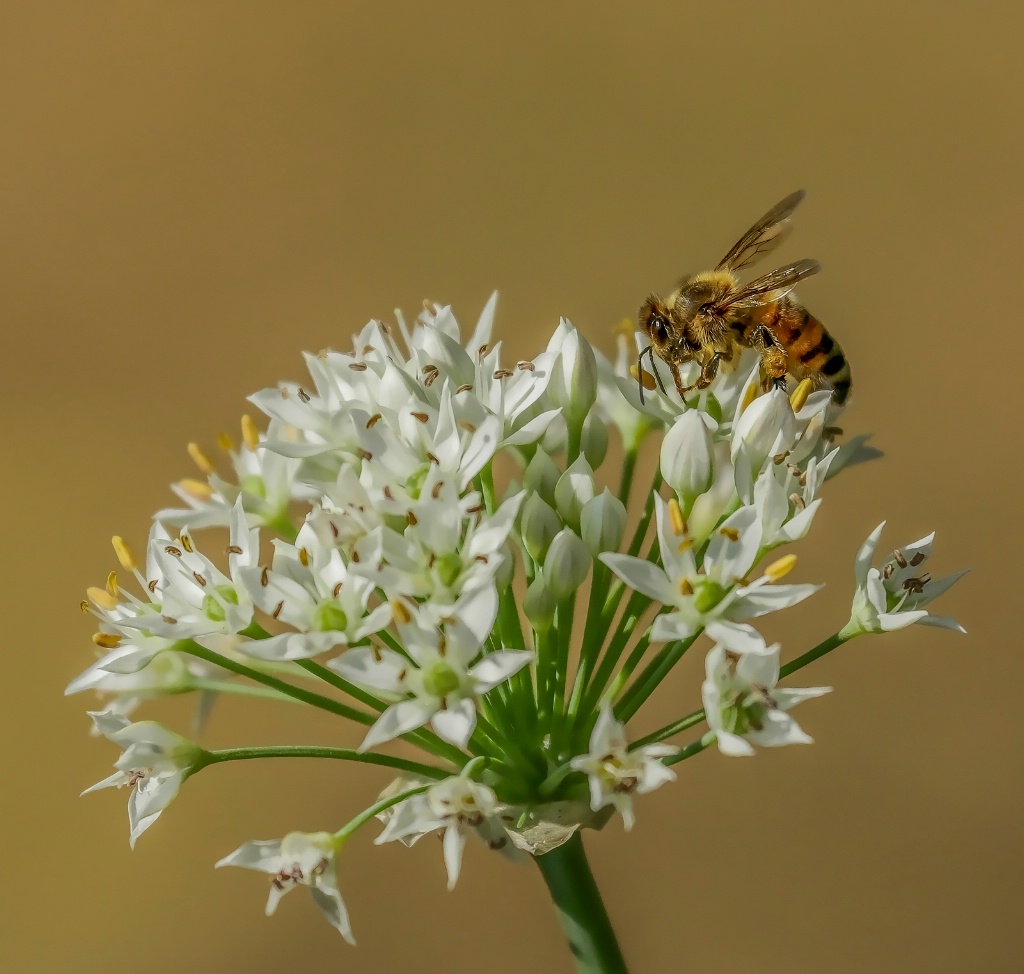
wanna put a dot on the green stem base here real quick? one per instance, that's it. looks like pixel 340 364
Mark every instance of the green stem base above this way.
pixel 580 909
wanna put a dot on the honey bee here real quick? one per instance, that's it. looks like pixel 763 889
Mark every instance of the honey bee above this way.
pixel 710 317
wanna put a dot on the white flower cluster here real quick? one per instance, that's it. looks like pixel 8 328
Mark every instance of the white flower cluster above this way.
pixel 373 569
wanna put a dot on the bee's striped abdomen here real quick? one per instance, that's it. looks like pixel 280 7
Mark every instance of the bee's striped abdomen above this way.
pixel 811 350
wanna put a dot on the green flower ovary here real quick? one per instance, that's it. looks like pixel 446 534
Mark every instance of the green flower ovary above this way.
pixel 329 616
pixel 440 679
pixel 213 606
pixel 253 484
pixel 414 485
pixel 745 712
pixel 449 568
pixel 707 593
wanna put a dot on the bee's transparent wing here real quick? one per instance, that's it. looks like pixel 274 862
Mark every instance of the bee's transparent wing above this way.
pixel 772 287
pixel 764 236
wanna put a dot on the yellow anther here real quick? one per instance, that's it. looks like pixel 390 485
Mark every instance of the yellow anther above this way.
pixel 200 459
pixel 685 545
pixel 304 557
pixel 777 569
pixel 731 533
pixel 124 553
pixel 625 327
pixel 195 488
pixel 400 612
pixel 676 519
pixel 224 442
pixel 112 584
pixel 106 640
pixel 102 597
pixel 186 542
pixel 645 377
pixel 800 394
pixel 685 588
pixel 84 605
pixel 749 396
pixel 250 434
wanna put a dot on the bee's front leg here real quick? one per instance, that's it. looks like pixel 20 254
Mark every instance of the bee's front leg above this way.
pixel 773 358
pixel 708 371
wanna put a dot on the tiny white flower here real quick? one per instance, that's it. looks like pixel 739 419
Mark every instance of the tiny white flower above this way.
pixel 566 564
pixel 603 523
pixel 573 384
pixel 457 805
pixel 617 773
pixel 895 596
pixel 299 859
pixel 154 764
pixel 743 706
pixel 687 456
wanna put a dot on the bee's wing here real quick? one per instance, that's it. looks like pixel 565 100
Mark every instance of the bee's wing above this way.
pixel 764 236
pixel 771 287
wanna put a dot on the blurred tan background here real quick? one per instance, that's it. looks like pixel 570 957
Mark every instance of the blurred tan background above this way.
pixel 192 193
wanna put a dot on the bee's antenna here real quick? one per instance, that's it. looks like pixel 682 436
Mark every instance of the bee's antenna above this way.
pixel 640 372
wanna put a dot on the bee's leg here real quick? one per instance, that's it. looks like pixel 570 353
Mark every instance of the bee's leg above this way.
pixel 708 372
pixel 773 358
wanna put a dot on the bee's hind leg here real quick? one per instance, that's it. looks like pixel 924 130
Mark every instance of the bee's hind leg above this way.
pixel 773 358
pixel 708 371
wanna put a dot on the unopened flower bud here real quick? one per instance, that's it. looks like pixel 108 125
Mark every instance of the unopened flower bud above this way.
pixel 541 475
pixel 539 526
pixel 766 428
pixel 594 441
pixel 687 456
pixel 574 488
pixel 506 567
pixel 603 523
pixel 567 564
pixel 539 604
pixel 573 384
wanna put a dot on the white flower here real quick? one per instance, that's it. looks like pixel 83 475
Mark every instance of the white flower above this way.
pixel 566 564
pixel 603 522
pixel 458 805
pixel 743 706
pixel 154 764
pixel 687 456
pixel 895 596
pixel 311 589
pixel 718 598
pixel 438 680
pixel 615 772
pixel 573 384
pixel 299 859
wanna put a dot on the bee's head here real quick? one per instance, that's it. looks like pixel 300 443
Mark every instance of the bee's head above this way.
pixel 661 326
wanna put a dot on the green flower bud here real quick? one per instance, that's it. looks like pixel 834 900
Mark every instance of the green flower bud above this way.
pixel 541 475
pixel 594 441
pixel 567 564
pixel 538 525
pixel 574 488
pixel 603 523
pixel 539 604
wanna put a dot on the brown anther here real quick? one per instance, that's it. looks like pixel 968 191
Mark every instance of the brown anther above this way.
pixel 358 366
pixel 304 557
pixel 480 558
pixel 152 584
pixel 731 533
pixel 355 556
pixel 431 376
pixel 468 427
pixel 265 576
pixel 400 612
pixel 780 458
pixel 199 578
pixel 277 609
pixel 364 454
pixel 482 350
pixel 916 585
pixel 433 459
pixel 797 501
pixel 410 516
pixel 334 529
pixel 367 349
pixel 685 588
pixel 888 570
pixel 466 387
pixel 435 491
pixel 503 374
pixel 526 366
pixel 169 620
pixel 106 640
pixel 374 420
pixel 421 417
pixel 302 394
pixel 917 559
pixel 442 644
pixel 478 509
pixel 171 550
pixel 897 556
pixel 337 589
pixel 387 492
pixel 233 549
pixel 377 655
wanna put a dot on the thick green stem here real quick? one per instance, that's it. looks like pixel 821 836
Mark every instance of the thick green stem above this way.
pixel 580 909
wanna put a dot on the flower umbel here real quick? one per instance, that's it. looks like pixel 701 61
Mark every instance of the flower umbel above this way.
pixel 360 556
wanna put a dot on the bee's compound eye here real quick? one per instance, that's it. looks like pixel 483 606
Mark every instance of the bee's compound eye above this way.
pixel 659 330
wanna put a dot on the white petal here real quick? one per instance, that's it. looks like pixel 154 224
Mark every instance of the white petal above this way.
pixel 455 724
pixel 495 668
pixel 642 576
pixel 736 636
pixel 399 719
pixel 376 668
pixel 326 896
pixel 263 855
pixel 733 746
pixel 454 844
